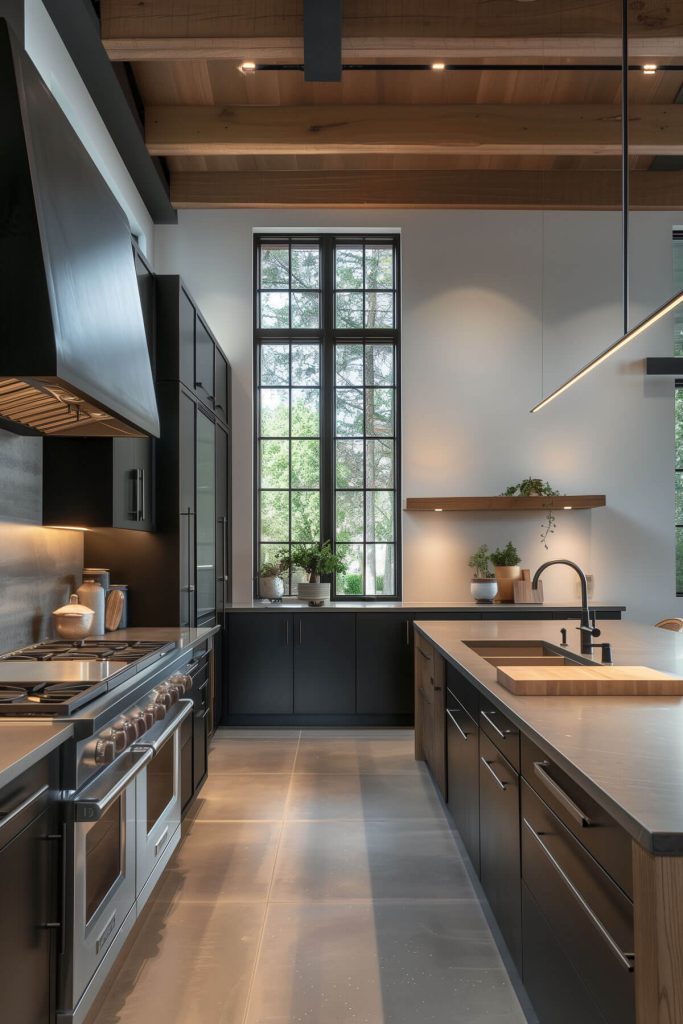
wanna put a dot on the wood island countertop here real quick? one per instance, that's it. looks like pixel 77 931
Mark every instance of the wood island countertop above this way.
pixel 627 752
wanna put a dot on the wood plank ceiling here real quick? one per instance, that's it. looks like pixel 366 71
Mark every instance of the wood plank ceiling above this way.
pixel 514 138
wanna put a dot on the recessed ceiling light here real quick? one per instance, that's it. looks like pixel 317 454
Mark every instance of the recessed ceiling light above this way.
pixel 649 69
pixel 438 66
pixel 567 508
pixel 438 510
pixel 247 67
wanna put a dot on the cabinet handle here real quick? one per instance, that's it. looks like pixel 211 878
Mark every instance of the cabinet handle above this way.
pixel 141 496
pixel 60 837
pixel 487 764
pixel 287 632
pixel 503 733
pixel 301 637
pixel 457 724
pixel 541 770
pixel 8 818
pixel 625 959
pixel 407 632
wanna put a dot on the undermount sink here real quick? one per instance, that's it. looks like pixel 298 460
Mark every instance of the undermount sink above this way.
pixel 522 652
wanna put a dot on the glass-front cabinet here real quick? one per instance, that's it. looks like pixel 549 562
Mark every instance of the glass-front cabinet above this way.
pixel 206 513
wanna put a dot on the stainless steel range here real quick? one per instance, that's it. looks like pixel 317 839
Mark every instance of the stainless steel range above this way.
pixel 121 778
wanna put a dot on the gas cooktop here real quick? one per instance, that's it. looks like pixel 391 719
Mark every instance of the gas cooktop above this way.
pixel 57 677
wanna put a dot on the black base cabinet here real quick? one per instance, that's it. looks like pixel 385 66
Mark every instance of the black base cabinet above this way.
pixel 384 645
pixel 30 845
pixel 194 731
pixel 462 751
pixel 260 667
pixel 325 664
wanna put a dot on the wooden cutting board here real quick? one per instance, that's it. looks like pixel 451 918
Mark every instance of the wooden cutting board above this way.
pixel 588 681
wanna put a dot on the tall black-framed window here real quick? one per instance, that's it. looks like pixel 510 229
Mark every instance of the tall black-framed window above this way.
pixel 327 403
pixel 678 407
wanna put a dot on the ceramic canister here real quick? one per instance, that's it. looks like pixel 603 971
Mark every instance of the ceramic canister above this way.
pixel 101 576
pixel 91 594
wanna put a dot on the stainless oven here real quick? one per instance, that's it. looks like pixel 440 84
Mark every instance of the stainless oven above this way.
pixel 158 800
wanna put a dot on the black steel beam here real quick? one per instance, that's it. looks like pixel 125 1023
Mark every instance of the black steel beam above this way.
pixel 78 26
pixel 322 40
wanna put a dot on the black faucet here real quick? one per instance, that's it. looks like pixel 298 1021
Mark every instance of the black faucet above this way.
pixel 588 629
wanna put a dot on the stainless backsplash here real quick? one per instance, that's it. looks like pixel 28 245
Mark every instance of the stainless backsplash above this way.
pixel 39 567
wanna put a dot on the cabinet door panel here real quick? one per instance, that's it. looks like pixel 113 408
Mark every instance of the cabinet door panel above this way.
pixel 221 385
pixel 222 520
pixel 260 664
pixel 384 664
pixel 462 742
pixel 325 664
pixel 132 485
pixel 27 895
pixel 204 358
pixel 499 823
pixel 206 518
pixel 186 330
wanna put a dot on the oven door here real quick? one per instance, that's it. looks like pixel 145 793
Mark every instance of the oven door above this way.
pixel 158 799
pixel 103 836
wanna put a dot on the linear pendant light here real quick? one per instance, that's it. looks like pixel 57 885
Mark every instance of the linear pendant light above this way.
pixel 675 300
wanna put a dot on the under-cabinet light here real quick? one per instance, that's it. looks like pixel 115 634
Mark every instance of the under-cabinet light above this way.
pixel 438 66
pixel 247 67
pixel 649 69
pixel 624 340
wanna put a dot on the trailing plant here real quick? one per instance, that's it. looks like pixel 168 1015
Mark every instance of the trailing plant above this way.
pixel 316 560
pixel 508 555
pixel 479 561
pixel 535 486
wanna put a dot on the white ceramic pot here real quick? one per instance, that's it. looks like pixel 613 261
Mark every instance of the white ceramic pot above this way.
pixel 483 591
pixel 73 620
pixel 271 587
pixel 315 593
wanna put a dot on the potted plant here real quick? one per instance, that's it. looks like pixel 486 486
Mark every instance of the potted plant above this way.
pixel 534 486
pixel 506 561
pixel 316 560
pixel 271 585
pixel 483 586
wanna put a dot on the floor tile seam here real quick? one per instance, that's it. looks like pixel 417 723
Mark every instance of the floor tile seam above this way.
pixel 262 931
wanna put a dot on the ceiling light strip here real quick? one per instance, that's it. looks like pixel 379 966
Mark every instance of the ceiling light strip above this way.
pixel 674 301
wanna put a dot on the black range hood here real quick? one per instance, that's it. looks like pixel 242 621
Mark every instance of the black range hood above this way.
pixel 73 351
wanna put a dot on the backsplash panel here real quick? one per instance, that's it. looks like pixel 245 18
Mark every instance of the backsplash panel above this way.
pixel 39 567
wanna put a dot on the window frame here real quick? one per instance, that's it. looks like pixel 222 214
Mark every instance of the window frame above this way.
pixel 327 336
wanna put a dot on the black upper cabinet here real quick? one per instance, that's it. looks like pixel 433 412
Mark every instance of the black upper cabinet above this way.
pixel 187 351
pixel 385 664
pixel 221 386
pixel 223 580
pixel 325 664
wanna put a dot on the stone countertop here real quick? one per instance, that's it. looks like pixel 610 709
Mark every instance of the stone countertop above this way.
pixel 181 636
pixel 494 610
pixel 24 742
pixel 627 752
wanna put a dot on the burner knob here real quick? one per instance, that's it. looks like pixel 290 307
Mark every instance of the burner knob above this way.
pixel 158 710
pixel 175 693
pixel 119 739
pixel 182 681
pixel 127 727
pixel 105 751
pixel 163 697
pixel 139 724
pixel 150 715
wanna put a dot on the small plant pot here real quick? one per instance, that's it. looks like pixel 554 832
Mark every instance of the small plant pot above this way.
pixel 483 591
pixel 316 594
pixel 271 588
pixel 505 577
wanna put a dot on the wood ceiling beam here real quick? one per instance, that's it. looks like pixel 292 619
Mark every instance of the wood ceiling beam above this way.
pixel 430 29
pixel 482 129
pixel 436 189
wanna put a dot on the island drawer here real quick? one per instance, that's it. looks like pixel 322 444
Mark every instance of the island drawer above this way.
pixel 500 730
pixel 464 691
pixel 589 915
pixel 595 829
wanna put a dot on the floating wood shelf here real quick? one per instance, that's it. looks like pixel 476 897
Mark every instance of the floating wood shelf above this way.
pixel 666 366
pixel 501 503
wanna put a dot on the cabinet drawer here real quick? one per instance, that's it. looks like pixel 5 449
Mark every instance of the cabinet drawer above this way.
pixel 500 730
pixel 462 755
pixel 590 916
pixel 593 827
pixel 463 690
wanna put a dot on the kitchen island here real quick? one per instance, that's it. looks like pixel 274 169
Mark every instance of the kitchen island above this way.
pixel 572 811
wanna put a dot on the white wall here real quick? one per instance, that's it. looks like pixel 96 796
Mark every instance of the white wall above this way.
pixel 489 299
pixel 47 51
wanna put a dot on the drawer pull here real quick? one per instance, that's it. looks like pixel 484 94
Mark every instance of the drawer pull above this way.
pixel 503 733
pixel 625 959
pixel 541 770
pixel 457 725
pixel 487 764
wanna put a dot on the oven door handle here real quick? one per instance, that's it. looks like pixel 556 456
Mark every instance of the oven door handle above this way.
pixel 177 714
pixel 89 805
